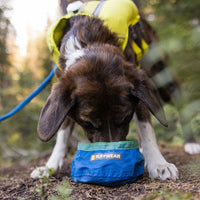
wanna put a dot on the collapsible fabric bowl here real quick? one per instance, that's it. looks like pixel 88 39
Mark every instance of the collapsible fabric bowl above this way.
pixel 107 163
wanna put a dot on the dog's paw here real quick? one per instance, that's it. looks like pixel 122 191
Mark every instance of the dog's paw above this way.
pixel 53 165
pixel 41 172
pixel 192 148
pixel 163 171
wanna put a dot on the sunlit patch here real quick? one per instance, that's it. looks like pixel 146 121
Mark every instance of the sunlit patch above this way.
pixel 31 17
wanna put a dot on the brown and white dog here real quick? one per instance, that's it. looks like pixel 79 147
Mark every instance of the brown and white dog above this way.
pixel 101 89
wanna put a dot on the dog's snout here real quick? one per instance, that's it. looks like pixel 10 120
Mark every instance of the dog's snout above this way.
pixel 108 133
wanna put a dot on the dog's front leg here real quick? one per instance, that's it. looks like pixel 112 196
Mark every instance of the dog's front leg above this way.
pixel 155 163
pixel 55 161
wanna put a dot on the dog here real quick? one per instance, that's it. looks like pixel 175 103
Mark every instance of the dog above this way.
pixel 101 88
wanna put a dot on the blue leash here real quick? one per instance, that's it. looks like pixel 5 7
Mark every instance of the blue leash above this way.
pixel 31 96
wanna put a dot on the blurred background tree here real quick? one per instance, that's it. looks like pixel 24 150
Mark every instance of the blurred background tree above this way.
pixel 19 76
pixel 5 65
pixel 178 26
pixel 177 23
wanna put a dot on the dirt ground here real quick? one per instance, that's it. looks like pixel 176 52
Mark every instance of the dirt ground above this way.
pixel 16 184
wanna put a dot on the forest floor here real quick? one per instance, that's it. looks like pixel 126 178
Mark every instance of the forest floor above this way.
pixel 15 182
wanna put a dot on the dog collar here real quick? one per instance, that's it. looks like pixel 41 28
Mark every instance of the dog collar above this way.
pixel 118 15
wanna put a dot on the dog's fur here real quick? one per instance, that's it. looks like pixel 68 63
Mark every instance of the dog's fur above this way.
pixel 101 89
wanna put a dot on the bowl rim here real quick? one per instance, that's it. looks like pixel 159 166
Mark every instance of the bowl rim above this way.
pixel 121 145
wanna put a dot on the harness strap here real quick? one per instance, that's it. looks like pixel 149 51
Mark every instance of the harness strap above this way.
pixel 98 8
pixel 118 15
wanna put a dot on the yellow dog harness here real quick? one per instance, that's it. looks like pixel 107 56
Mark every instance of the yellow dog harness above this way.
pixel 118 15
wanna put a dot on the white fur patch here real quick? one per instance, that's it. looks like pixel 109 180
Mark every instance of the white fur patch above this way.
pixel 55 161
pixel 192 148
pixel 73 57
pixel 73 51
pixel 156 164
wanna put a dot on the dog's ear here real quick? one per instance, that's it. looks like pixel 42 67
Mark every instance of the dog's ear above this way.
pixel 144 90
pixel 53 113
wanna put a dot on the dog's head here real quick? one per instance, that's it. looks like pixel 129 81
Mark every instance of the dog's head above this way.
pixel 100 91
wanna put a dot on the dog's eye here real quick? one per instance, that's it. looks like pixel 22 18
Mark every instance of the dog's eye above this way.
pixel 88 125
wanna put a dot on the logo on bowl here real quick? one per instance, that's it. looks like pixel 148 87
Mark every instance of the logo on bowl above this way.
pixel 106 156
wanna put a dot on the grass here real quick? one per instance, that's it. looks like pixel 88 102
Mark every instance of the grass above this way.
pixel 64 191
pixel 166 194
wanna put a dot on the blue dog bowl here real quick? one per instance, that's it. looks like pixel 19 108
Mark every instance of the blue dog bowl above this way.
pixel 107 163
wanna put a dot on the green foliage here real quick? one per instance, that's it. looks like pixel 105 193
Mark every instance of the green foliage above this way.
pixel 64 191
pixel 5 26
pixel 173 133
pixel 195 124
pixel 41 189
pixel 167 194
pixel 178 26
pixel 19 133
